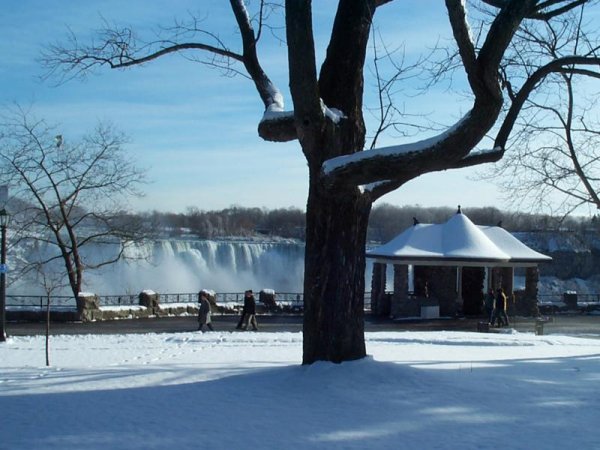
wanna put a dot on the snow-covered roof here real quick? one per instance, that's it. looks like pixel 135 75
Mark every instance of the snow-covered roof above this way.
pixel 457 242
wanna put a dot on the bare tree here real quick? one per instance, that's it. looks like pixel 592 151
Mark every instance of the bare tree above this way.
pixel 327 121
pixel 50 281
pixel 553 153
pixel 70 194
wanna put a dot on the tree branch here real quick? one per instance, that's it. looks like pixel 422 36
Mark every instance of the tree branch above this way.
pixel 118 49
pixel 538 11
pixel 559 65
pixel 398 164
pixel 308 113
pixel 270 95
pixel 462 36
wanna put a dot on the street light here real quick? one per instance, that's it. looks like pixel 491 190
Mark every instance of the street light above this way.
pixel 4 220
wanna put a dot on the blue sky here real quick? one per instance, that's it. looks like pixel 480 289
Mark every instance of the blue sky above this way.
pixel 195 130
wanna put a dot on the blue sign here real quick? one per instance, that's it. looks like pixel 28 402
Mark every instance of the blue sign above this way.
pixel 3 268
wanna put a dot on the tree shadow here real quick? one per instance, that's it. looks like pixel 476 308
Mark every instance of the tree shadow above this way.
pixel 528 403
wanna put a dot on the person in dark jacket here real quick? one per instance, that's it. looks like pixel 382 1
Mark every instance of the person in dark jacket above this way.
pixel 248 312
pixel 204 312
pixel 500 309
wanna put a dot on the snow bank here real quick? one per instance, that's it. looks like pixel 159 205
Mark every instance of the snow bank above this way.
pixel 247 390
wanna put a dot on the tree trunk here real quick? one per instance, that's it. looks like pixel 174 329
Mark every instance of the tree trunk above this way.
pixel 74 272
pixel 334 279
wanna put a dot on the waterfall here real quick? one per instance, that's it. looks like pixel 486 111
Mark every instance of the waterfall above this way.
pixel 174 265
pixel 183 265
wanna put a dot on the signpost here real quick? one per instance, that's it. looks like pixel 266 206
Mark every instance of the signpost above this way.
pixel 4 219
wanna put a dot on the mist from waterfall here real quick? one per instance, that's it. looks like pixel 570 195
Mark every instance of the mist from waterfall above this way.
pixel 177 266
pixel 183 266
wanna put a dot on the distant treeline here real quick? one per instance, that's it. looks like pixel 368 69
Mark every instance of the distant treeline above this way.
pixel 385 223
pixel 233 221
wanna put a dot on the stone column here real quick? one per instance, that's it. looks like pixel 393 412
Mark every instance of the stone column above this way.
pixel 460 301
pixel 508 288
pixel 402 305
pixel 508 280
pixel 88 307
pixel 529 306
pixel 265 296
pixel 150 300
pixel 496 281
pixel 378 282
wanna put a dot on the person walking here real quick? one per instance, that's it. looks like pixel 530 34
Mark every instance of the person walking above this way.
pixel 204 312
pixel 500 309
pixel 248 312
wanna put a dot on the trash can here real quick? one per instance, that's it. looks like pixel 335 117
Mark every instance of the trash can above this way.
pixel 430 312
pixel 570 299
pixel 539 327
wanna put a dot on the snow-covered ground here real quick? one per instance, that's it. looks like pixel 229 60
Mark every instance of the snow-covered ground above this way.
pixel 417 390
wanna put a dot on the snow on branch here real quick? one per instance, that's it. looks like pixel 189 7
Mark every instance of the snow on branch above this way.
pixel 278 125
pixel 275 107
pixel 333 114
pixel 457 15
pixel 482 156
pixel 395 151
pixel 373 186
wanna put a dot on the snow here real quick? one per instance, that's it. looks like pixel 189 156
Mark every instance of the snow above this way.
pixel 518 251
pixel 273 113
pixel 458 239
pixel 372 186
pixel 482 152
pixel 333 114
pixel 227 390
pixel 119 308
pixel 276 109
pixel 461 238
pixel 394 150
pixel 208 292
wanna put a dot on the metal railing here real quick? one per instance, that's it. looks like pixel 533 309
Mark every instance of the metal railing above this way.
pixel 588 298
pixel 40 301
pixel 190 297
pixel 233 300
pixel 119 300
pixel 555 303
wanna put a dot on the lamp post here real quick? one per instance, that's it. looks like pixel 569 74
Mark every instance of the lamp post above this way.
pixel 4 219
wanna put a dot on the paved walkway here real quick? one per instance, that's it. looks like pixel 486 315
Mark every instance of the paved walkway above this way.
pixel 576 325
